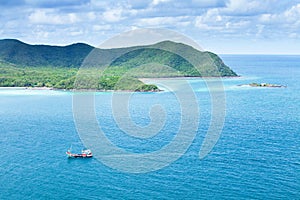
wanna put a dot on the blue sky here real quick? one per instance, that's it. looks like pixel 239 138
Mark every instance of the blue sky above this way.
pixel 221 26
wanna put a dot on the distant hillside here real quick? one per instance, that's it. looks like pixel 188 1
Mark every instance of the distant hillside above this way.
pixel 27 65
pixel 22 54
pixel 184 60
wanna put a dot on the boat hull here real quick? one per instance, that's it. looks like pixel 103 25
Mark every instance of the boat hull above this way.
pixel 73 155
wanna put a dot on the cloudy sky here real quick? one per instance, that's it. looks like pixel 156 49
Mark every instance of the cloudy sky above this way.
pixel 221 26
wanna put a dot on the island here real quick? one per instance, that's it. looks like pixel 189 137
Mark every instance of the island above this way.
pixel 264 85
pixel 69 67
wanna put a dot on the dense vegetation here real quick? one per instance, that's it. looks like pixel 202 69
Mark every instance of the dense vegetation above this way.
pixel 67 78
pixel 11 76
pixel 26 65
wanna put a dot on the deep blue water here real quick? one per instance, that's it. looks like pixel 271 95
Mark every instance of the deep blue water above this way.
pixel 256 157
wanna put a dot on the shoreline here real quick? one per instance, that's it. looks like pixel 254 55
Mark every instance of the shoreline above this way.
pixel 156 81
pixel 142 79
pixel 27 88
pixel 68 90
pixel 191 77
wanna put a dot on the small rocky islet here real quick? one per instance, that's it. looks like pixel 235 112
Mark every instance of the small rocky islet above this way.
pixel 269 85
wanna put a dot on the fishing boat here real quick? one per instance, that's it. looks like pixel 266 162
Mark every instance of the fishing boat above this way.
pixel 85 153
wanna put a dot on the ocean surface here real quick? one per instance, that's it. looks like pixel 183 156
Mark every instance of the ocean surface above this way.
pixel 256 157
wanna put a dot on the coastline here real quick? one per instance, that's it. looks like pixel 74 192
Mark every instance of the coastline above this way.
pixel 68 90
pixel 190 78
pixel 27 88
pixel 159 81
pixel 144 80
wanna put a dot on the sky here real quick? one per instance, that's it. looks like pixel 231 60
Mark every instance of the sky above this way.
pixel 220 26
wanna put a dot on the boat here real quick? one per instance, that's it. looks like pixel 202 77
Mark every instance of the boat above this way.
pixel 85 153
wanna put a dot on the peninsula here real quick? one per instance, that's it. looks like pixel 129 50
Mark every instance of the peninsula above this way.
pixel 81 66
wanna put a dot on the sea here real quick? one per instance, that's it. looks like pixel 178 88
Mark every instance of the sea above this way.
pixel 254 154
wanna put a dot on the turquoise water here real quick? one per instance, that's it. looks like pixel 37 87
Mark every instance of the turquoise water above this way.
pixel 256 157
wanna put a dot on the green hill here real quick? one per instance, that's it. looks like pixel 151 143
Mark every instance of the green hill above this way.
pixel 22 64
pixel 22 54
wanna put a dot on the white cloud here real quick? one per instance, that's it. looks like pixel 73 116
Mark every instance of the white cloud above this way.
pixel 68 21
pixel 289 18
pixel 211 20
pixel 43 17
pixel 164 21
pixel 156 2
pixel 293 14
pixel 246 7
pixel 71 18
pixel 212 16
pixel 265 18
pixel 101 27
pixel 113 15
pixel 240 25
